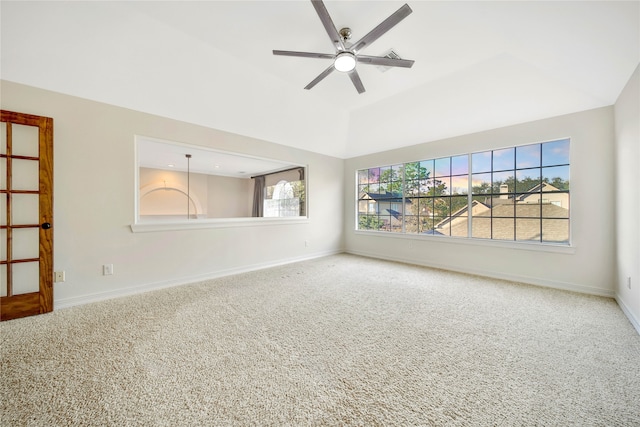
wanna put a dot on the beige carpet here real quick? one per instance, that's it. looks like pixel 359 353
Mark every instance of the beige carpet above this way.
pixel 341 340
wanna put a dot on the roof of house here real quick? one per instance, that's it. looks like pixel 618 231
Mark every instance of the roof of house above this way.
pixel 513 222
pixel 395 214
pixel 543 186
pixel 526 210
pixel 462 212
pixel 386 197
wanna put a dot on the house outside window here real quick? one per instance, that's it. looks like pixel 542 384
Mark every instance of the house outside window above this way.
pixel 512 194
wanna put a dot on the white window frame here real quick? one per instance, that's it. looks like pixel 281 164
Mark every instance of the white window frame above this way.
pixel 468 240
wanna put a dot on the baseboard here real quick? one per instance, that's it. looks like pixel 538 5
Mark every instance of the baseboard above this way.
pixel 117 293
pixel 495 275
pixel 627 312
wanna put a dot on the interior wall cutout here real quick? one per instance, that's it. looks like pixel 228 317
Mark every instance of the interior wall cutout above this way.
pixel 181 182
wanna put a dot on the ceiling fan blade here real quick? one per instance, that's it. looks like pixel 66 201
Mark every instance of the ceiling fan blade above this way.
pixel 303 54
pixel 329 26
pixel 387 62
pixel 382 28
pixel 355 79
pixel 322 75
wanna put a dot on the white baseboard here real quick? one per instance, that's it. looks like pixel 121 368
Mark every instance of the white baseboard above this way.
pixel 117 293
pixel 496 275
pixel 635 322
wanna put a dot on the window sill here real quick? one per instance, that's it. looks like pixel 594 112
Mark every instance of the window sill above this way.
pixel 196 224
pixel 525 246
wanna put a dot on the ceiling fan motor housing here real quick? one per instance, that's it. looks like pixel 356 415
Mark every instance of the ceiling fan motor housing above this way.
pixel 345 33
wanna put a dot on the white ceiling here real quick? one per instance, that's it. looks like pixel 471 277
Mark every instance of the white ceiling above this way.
pixel 479 65
pixel 171 155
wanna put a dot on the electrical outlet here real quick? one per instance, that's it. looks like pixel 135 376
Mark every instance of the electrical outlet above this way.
pixel 629 282
pixel 58 276
pixel 306 243
pixel 107 269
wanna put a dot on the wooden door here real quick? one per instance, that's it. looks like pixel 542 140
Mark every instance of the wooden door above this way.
pixel 26 215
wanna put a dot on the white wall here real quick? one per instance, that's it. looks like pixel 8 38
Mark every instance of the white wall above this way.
pixel 218 196
pixel 587 267
pixel 94 169
pixel 627 181
pixel 94 196
pixel 229 197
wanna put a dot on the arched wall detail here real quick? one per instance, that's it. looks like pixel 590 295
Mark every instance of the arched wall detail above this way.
pixel 155 186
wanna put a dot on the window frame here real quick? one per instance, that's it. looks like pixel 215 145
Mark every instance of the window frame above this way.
pixel 536 245
pixel 138 226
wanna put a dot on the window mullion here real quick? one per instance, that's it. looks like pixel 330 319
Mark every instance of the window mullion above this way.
pixel 404 201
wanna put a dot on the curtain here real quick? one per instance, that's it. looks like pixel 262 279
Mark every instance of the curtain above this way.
pixel 258 196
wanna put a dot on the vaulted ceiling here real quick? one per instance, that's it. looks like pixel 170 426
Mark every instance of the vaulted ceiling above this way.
pixel 478 65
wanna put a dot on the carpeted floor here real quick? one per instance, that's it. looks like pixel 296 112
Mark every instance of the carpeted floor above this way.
pixel 341 340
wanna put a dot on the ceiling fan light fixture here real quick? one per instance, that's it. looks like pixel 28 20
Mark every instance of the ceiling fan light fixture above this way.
pixel 345 62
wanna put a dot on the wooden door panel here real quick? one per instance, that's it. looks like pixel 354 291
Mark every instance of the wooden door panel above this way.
pixel 26 228
pixel 22 305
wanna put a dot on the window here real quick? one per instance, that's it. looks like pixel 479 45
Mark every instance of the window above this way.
pixel 512 194
pixel 380 198
pixel 284 199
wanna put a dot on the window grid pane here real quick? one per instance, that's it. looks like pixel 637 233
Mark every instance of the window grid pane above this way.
pixel 518 193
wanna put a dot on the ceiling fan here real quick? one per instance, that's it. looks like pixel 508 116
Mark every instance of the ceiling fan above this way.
pixel 347 54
